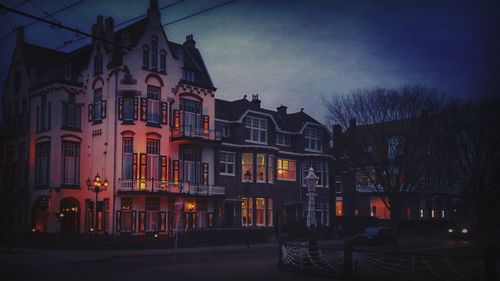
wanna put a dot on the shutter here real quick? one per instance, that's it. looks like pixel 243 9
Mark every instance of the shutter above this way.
pixel 205 173
pixel 136 107
pixel 142 214
pixel 134 221
pixel 163 221
pixel 91 111
pixel 177 118
pixel 142 170
pixel 103 109
pixel 144 109
pixel 206 124
pixel 175 170
pixel 118 222
pixel 164 113
pixel 134 166
pixel 163 171
pixel 120 108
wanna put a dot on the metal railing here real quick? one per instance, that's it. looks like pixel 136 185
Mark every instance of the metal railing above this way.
pixel 150 185
pixel 195 132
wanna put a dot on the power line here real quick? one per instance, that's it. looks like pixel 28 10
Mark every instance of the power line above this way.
pixel 17 6
pixel 200 12
pixel 49 15
pixel 61 26
pixel 138 17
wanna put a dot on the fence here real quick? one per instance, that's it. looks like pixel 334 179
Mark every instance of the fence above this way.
pixel 308 257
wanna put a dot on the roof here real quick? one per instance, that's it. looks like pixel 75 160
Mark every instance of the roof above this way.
pixel 234 110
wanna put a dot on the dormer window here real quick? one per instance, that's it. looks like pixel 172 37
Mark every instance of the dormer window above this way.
pixel 154 53
pixel 189 75
pixel 313 139
pixel 145 57
pixel 163 61
pixel 257 128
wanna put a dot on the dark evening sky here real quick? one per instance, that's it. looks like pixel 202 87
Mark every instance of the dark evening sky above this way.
pixel 296 52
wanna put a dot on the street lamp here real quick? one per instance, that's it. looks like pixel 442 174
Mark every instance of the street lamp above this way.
pixel 96 187
pixel 248 179
pixel 310 180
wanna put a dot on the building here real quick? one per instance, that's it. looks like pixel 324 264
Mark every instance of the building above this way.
pixel 132 107
pixel 262 160
pixel 394 146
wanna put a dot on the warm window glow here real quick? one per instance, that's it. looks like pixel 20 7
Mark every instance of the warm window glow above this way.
pixel 260 209
pixel 261 168
pixel 286 169
pixel 338 208
pixel 378 208
pixel 247 211
pixel 246 166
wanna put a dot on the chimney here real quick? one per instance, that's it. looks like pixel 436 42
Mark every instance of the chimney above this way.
pixel 98 27
pixel 20 35
pixel 352 123
pixel 255 100
pixel 281 110
pixel 153 11
pixel 109 27
pixel 190 41
pixel 336 131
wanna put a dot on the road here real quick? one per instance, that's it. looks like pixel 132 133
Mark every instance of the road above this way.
pixel 230 263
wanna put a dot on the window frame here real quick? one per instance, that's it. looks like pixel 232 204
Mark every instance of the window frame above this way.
pixel 249 124
pixel 76 158
pixel 316 138
pixel 153 103
pixel 248 164
pixel 227 163
pixel 279 163
pixel 284 143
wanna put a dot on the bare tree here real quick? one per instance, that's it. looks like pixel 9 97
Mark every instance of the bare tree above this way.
pixel 475 128
pixel 387 133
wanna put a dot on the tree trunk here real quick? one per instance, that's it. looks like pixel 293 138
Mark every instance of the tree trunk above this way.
pixel 395 230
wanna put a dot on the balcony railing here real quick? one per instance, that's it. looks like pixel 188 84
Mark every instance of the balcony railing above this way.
pixel 171 187
pixel 195 132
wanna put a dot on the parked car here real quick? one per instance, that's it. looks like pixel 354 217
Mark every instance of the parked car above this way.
pixel 375 235
pixel 462 230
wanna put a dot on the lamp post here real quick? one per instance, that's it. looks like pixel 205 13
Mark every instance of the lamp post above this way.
pixel 97 186
pixel 248 179
pixel 310 180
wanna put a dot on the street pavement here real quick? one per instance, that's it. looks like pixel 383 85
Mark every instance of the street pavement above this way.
pixel 210 263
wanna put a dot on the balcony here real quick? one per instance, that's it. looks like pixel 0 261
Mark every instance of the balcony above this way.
pixel 156 186
pixel 195 133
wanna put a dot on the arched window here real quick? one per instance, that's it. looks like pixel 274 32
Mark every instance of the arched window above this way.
pixel 145 57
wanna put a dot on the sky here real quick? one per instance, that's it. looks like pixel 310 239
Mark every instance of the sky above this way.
pixel 299 53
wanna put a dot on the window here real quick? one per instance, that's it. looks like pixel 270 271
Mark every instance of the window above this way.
pixel 67 71
pixel 153 159
pixel 258 129
pixel 71 114
pixel 44 117
pixel 98 62
pixel 227 161
pixel 421 213
pixel 151 214
pixel 163 62
pixel 318 171
pixel 270 168
pixel 338 184
pixel 189 75
pixel 338 208
pixel 395 147
pixel 191 166
pixel 246 166
pixel 270 212
pixel 286 169
pixel 145 57
pixel 42 163
pixel 261 168
pixel 282 139
pixel 127 158
pixel 128 109
pixel 313 139
pixel 97 105
pixel 191 117
pixel 153 104
pixel 126 215
pixel 260 207
pixel 70 163
pixel 154 53
pixel 222 128
pixel 246 211
pixel 443 213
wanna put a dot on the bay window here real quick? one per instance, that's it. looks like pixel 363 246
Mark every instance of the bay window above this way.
pixel 261 168
pixel 70 163
pixel 260 207
pixel 270 168
pixel 42 163
pixel 246 166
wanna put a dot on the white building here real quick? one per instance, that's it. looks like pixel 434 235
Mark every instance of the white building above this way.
pixel 139 113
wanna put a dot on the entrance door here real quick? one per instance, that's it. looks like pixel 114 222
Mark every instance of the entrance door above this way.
pixel 70 215
pixel 190 220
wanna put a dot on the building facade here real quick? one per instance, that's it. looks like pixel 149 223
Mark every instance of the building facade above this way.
pixel 262 160
pixel 132 107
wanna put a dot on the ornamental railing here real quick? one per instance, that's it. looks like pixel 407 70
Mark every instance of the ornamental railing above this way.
pixel 195 132
pixel 150 185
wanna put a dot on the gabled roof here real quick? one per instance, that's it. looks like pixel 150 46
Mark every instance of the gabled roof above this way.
pixel 235 111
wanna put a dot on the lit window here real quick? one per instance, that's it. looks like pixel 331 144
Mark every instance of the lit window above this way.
pixel 338 208
pixel 258 129
pixel 313 139
pixel 421 213
pixel 270 168
pixel 270 212
pixel 286 169
pixel 246 166
pixel 227 161
pixel 153 104
pixel 261 168
pixel 246 211
pixel 260 211
pixel 70 163
pixel 282 139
